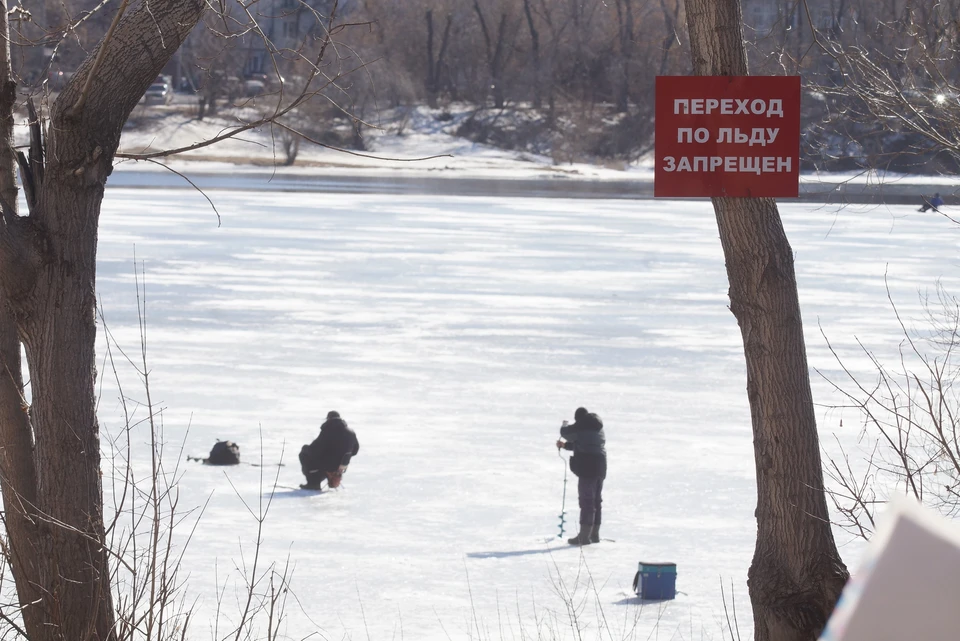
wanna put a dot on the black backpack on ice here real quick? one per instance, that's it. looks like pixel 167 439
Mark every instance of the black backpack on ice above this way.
pixel 224 453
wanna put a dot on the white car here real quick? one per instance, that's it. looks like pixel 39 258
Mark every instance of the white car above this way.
pixel 159 93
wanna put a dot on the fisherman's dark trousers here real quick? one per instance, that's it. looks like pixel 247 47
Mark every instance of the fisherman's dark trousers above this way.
pixel 590 490
pixel 308 466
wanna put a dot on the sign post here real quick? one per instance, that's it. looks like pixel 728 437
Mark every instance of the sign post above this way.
pixel 727 136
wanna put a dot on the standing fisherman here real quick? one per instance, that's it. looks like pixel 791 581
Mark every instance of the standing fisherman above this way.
pixel 589 462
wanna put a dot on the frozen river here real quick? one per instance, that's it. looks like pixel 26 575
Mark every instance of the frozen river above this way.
pixel 454 333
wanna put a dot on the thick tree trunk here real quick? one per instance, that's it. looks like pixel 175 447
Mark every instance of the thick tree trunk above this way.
pixel 17 472
pixel 59 335
pixel 796 575
pixel 48 273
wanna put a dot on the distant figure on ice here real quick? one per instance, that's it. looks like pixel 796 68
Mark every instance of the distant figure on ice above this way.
pixel 329 455
pixel 222 453
pixel 934 203
pixel 589 462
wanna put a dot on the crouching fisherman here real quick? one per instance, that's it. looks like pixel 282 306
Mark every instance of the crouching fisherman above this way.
pixel 589 462
pixel 329 455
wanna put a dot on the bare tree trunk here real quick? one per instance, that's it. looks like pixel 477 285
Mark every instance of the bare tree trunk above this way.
pixel 579 62
pixel 547 63
pixel 835 29
pixel 535 55
pixel 8 98
pixel 435 65
pixel 497 64
pixel 670 38
pixel 496 54
pixel 48 274
pixel 625 46
pixel 796 575
pixel 17 472
pixel 431 75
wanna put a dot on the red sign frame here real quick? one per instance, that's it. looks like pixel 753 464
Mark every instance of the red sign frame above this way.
pixel 727 136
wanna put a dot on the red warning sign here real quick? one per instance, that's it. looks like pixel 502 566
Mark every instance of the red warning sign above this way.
pixel 735 136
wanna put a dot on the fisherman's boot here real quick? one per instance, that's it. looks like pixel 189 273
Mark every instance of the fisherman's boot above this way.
pixel 314 480
pixel 595 534
pixel 583 538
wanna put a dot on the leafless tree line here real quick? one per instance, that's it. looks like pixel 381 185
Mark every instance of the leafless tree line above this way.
pixel 581 65
pixel 584 71
pixel 529 51
pixel 881 79
pixel 882 90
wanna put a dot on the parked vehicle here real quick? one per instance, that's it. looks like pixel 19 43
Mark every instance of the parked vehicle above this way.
pixel 159 93
pixel 253 87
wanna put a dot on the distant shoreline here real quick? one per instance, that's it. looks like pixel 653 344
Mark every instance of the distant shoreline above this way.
pixel 830 189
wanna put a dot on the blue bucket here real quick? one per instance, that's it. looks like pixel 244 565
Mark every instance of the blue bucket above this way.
pixel 656 581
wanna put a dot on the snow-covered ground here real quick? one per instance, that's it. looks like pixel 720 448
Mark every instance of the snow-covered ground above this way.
pixel 454 334
pixel 412 142
pixel 402 143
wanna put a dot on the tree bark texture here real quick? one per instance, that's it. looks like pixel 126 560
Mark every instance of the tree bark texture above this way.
pixel 48 273
pixel 17 472
pixel 796 575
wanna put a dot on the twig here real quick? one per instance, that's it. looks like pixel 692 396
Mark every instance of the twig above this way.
pixel 192 184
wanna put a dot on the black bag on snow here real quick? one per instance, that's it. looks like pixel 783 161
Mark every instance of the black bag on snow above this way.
pixel 224 453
